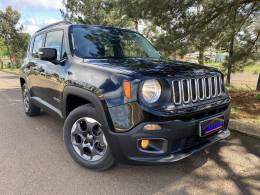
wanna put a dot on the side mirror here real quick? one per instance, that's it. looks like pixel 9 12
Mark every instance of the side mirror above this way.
pixel 47 54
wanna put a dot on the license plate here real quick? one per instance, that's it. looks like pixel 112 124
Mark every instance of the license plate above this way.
pixel 210 126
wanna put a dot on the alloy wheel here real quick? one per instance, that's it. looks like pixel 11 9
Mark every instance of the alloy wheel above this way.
pixel 88 139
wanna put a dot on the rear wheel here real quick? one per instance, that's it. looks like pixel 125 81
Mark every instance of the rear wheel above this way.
pixel 85 140
pixel 29 108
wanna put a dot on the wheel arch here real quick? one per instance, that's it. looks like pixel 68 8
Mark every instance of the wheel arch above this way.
pixel 22 81
pixel 96 100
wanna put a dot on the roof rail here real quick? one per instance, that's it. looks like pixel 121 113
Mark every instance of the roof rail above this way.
pixel 54 24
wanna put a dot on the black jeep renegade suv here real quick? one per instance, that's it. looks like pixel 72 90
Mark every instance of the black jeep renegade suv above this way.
pixel 119 99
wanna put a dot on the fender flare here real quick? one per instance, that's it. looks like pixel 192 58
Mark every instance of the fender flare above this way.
pixel 96 100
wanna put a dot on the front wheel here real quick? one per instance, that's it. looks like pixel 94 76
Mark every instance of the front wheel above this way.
pixel 85 140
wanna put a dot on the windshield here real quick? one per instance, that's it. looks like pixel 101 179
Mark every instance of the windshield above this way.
pixel 96 42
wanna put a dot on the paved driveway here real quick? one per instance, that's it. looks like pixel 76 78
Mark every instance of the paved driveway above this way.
pixel 33 160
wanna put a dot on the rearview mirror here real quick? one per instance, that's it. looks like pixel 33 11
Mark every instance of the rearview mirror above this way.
pixel 47 54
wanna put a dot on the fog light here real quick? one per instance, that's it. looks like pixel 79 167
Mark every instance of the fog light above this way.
pixel 145 143
pixel 153 145
pixel 152 127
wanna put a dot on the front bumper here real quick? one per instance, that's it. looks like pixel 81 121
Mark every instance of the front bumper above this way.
pixel 182 137
pixel 186 152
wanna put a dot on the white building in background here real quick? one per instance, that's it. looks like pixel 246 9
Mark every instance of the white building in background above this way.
pixel 212 56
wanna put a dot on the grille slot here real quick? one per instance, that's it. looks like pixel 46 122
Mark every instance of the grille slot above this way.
pixel 201 89
pixel 208 87
pixel 177 92
pixel 193 90
pixel 185 91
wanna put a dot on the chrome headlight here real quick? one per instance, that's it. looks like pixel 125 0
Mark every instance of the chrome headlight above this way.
pixel 151 91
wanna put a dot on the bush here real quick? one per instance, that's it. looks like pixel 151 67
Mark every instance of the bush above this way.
pixel 258 96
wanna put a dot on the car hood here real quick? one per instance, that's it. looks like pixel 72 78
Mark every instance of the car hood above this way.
pixel 151 67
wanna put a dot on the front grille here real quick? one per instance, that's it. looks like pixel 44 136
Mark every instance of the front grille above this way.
pixel 186 91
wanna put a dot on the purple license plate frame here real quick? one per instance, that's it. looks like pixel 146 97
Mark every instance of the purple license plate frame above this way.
pixel 211 126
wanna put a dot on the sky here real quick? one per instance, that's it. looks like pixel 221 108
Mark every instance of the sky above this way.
pixel 35 13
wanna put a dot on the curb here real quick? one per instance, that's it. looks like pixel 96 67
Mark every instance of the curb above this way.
pixel 242 127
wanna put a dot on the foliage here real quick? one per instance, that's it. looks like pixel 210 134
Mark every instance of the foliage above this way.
pixel 12 39
pixel 3 50
pixel 251 67
pixel 190 25
pixel 258 96
pixel 236 38
pixel 98 12
pixel 176 27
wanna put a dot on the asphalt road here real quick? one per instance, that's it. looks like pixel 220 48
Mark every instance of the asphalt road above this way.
pixel 33 160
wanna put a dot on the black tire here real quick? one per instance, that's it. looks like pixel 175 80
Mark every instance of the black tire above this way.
pixel 106 161
pixel 29 108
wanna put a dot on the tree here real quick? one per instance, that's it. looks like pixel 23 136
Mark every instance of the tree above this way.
pixel 196 25
pixel 258 83
pixel 182 26
pixel 133 10
pixel 3 52
pixel 177 27
pixel 19 46
pixel 8 21
pixel 87 12
pixel 97 12
pixel 10 31
pixel 237 39
pixel 171 19
pixel 256 26
pixel 204 36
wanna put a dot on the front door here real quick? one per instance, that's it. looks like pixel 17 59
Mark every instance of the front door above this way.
pixel 54 72
pixel 34 66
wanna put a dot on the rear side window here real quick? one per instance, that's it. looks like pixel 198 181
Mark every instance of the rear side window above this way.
pixel 54 40
pixel 37 44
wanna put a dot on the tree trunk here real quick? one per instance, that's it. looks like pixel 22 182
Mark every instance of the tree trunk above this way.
pixel 201 56
pixel 230 59
pixel 258 83
pixel 9 54
pixel 136 24
pixel 1 64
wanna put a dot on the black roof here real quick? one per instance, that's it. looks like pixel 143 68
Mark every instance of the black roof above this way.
pixel 64 22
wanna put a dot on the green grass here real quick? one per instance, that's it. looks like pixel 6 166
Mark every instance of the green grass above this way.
pixel 217 65
pixel 254 68
pixel 258 96
pixel 234 88
pixel 235 110
pixel 10 70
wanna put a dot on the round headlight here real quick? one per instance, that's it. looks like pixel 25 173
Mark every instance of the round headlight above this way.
pixel 151 91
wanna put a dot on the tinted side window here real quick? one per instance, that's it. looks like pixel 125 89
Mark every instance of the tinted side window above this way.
pixel 37 44
pixel 54 40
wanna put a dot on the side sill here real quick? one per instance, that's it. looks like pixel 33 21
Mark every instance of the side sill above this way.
pixel 46 106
